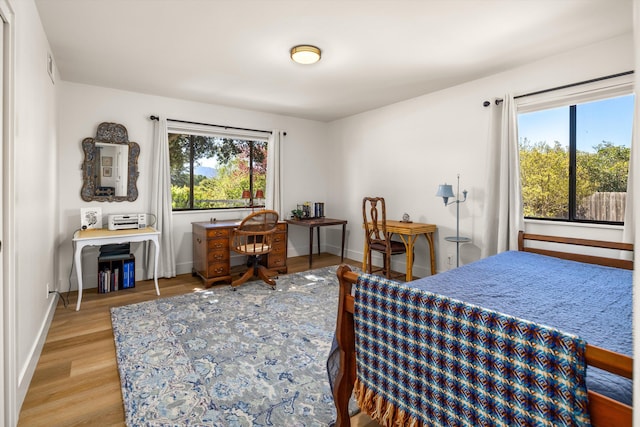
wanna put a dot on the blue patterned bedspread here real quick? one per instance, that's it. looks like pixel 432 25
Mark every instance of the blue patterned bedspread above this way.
pixel 427 359
pixel 589 301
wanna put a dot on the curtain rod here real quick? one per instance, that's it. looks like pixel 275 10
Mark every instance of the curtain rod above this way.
pixel 597 79
pixel 209 124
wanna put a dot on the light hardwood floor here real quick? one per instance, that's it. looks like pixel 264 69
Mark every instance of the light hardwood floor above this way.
pixel 76 381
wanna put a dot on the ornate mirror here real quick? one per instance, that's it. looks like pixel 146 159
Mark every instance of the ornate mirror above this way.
pixel 110 168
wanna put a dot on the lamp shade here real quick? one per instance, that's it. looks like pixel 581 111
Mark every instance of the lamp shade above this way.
pixel 445 190
pixel 246 194
pixel 259 194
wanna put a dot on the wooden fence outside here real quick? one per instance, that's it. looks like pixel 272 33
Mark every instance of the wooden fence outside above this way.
pixel 605 206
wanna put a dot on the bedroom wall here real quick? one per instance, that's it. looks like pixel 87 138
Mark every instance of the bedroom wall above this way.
pixel 30 204
pixel 83 107
pixel 403 151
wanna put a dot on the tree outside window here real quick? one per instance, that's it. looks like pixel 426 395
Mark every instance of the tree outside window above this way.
pixel 214 172
pixel 574 161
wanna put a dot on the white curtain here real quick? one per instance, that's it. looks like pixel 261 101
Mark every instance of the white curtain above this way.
pixel 160 205
pixel 631 208
pixel 503 216
pixel 274 173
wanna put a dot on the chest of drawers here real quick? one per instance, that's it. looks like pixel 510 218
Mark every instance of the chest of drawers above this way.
pixel 212 252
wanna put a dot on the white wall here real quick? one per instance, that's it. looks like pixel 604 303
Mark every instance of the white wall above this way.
pixel 82 108
pixel 33 196
pixel 403 151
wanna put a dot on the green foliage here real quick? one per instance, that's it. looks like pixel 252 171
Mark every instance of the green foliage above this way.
pixel 544 172
pixel 233 171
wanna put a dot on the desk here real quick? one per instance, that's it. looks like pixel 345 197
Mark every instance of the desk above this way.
pixel 99 237
pixel 408 232
pixel 212 250
pixel 316 223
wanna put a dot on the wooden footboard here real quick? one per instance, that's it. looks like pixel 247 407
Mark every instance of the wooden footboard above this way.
pixel 603 410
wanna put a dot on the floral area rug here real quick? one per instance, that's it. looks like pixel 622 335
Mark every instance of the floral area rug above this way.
pixel 217 357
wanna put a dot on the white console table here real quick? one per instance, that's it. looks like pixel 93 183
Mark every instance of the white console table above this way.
pixel 99 237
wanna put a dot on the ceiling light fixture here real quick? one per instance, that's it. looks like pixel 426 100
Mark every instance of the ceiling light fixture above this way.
pixel 305 54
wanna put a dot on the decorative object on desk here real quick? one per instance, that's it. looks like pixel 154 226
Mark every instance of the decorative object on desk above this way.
pixel 258 200
pixel 246 196
pixel 297 213
pixel 406 218
pixel 446 191
pixel 90 218
pixel 306 209
pixel 318 209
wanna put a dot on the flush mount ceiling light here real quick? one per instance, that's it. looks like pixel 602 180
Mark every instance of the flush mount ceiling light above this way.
pixel 305 54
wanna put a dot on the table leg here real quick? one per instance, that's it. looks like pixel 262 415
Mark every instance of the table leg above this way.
pixel 155 264
pixel 344 227
pixel 77 259
pixel 318 233
pixel 409 245
pixel 432 252
pixel 310 246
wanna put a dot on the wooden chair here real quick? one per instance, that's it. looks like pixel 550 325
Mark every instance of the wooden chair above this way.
pixel 253 238
pixel 374 214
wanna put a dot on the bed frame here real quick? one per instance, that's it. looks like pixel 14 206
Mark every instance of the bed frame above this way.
pixel 603 410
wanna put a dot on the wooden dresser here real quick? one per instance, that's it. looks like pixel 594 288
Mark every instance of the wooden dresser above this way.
pixel 212 252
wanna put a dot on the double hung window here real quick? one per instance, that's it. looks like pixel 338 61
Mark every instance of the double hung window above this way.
pixel 574 153
pixel 216 170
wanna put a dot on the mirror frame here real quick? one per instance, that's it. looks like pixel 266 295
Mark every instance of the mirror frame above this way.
pixel 111 133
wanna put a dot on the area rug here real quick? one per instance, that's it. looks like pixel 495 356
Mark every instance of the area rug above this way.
pixel 217 357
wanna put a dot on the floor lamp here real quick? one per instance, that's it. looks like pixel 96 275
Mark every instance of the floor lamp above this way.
pixel 446 191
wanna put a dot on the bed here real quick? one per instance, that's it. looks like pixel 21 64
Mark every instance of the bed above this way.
pixel 607 343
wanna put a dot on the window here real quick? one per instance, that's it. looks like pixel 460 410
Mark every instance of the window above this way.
pixel 210 171
pixel 574 160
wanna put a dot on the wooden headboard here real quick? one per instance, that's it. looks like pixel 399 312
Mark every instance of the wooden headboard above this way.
pixel 590 259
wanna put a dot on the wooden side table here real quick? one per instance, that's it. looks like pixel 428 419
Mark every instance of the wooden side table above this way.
pixel 408 232
pixel 316 223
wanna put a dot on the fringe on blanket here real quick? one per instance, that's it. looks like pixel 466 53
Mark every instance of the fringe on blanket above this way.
pixel 381 411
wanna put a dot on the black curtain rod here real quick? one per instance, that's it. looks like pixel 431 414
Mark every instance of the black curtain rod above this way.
pixel 612 76
pixel 209 124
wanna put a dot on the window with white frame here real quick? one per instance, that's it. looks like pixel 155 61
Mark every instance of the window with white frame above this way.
pixel 216 171
pixel 574 153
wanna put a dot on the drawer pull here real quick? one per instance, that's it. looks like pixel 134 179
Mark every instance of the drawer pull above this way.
pixel 198 240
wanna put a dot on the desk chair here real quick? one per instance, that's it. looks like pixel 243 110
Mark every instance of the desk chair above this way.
pixel 253 238
pixel 374 214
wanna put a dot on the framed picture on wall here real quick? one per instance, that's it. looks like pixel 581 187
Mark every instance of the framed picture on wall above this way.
pixel 106 172
pixel 107 161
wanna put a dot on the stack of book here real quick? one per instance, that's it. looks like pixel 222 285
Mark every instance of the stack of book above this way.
pixel 116 268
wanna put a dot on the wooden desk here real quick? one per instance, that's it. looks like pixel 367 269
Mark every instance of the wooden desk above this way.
pixel 408 232
pixel 212 250
pixel 316 223
pixel 99 237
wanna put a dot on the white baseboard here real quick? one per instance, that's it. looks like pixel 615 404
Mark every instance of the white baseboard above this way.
pixel 29 368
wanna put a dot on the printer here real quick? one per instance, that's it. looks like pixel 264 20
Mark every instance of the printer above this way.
pixel 127 221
